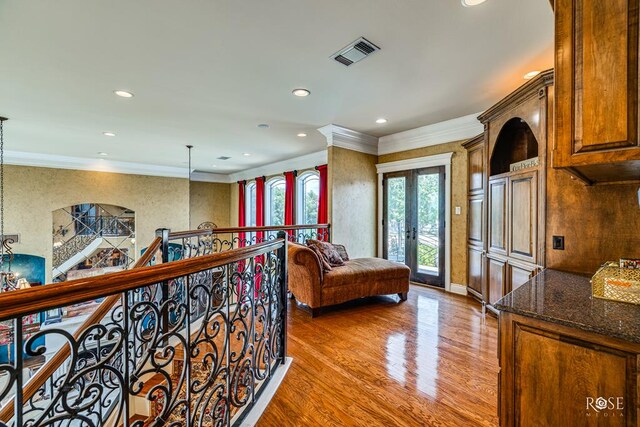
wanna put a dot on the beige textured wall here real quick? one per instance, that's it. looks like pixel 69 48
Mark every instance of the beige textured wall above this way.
pixel 352 181
pixel 458 227
pixel 32 194
pixel 233 210
pixel 210 202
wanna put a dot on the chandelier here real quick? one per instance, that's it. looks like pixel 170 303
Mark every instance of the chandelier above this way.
pixel 8 279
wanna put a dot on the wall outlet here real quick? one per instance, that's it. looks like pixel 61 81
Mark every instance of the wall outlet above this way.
pixel 558 243
pixel 458 210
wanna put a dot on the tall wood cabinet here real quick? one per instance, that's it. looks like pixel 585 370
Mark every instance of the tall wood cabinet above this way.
pixel 476 229
pixel 506 212
pixel 597 88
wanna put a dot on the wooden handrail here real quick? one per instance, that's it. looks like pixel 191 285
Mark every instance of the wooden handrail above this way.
pixel 52 365
pixel 205 232
pixel 27 301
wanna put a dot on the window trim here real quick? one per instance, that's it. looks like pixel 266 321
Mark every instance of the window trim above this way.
pixel 267 198
pixel 300 195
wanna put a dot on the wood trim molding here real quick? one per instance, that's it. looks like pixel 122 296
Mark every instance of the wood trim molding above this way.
pixel 339 136
pixel 439 133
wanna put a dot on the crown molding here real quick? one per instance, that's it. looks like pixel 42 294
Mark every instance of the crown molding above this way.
pixel 21 158
pixel 438 133
pixel 302 162
pixel 339 136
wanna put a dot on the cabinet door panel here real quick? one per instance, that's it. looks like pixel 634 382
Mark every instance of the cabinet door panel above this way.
pixel 476 207
pixel 476 169
pixel 476 270
pixel 523 216
pixel 519 276
pixel 497 279
pixel 497 215
pixel 596 78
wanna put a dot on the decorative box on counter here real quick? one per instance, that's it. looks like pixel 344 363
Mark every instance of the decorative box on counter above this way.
pixel 618 284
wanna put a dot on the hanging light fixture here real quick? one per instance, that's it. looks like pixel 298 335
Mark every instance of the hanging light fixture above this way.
pixel 8 279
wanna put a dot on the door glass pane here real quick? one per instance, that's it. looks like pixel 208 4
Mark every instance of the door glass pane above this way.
pixel 428 239
pixel 396 203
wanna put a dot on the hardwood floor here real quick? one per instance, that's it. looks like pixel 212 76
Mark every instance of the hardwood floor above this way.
pixel 429 361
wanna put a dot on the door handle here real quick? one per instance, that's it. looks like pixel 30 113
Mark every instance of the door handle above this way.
pixel 414 233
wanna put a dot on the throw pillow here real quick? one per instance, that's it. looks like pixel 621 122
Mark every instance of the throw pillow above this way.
pixel 342 251
pixel 323 261
pixel 328 252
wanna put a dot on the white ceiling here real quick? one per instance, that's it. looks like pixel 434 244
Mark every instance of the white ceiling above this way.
pixel 207 72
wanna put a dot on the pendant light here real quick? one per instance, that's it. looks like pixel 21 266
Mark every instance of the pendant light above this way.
pixel 189 147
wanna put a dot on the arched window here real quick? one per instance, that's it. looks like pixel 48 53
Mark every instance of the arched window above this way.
pixel 274 202
pixel 250 204
pixel 307 192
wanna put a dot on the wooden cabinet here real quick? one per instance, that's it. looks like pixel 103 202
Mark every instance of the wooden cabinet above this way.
pixel 596 86
pixel 519 274
pixel 476 219
pixel 516 135
pixel 552 375
pixel 497 275
pixel 523 216
pixel 476 272
pixel 498 215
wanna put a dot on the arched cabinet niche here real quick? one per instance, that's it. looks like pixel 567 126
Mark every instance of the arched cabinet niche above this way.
pixel 508 221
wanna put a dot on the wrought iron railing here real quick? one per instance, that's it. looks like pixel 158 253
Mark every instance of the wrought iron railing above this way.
pixel 195 339
pixel 187 244
pixel 72 366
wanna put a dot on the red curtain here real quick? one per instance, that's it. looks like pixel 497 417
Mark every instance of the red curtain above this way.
pixel 289 199
pixel 259 260
pixel 323 207
pixel 241 210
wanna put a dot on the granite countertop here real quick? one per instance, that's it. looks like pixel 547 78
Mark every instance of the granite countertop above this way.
pixel 565 298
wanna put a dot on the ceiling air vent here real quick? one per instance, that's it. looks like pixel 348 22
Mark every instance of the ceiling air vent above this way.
pixel 355 51
pixel 224 158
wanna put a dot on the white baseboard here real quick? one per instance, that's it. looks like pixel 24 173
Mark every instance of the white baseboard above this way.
pixel 458 289
pixel 267 394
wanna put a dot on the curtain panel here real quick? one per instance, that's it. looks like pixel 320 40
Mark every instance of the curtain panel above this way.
pixel 289 199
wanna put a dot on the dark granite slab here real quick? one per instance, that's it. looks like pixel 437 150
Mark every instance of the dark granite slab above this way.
pixel 565 298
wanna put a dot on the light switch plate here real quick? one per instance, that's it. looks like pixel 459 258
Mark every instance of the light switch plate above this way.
pixel 458 210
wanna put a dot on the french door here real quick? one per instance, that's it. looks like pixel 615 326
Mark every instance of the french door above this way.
pixel 413 223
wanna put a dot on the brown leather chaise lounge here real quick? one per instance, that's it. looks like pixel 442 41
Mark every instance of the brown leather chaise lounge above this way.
pixel 360 277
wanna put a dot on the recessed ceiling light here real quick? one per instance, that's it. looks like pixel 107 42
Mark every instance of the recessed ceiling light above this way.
pixel 123 93
pixel 469 3
pixel 263 126
pixel 101 153
pixel 246 154
pixel 214 166
pixel 301 92
pixel 302 134
pixel 531 74
pixel 381 121
pixel 108 134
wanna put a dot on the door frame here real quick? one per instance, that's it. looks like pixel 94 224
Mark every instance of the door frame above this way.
pixel 443 159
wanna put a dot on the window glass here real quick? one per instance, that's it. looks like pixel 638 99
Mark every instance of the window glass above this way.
pixel 308 190
pixel 275 202
pixel 250 205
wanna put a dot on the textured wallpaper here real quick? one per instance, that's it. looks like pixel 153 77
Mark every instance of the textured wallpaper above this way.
pixel 32 195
